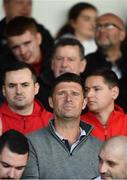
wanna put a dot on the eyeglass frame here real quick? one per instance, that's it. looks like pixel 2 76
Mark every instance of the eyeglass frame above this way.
pixel 107 26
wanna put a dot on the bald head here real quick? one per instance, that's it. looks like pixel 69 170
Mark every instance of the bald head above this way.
pixel 113 158
pixel 113 19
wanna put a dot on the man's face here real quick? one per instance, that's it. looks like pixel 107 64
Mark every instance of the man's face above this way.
pixel 67 59
pixel 26 47
pixel 15 8
pixel 85 24
pixel 99 95
pixel 112 164
pixel 68 100
pixel 12 165
pixel 109 32
pixel 19 89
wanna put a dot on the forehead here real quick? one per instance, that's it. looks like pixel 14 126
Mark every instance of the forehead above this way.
pixel 13 159
pixel 94 80
pixel 27 35
pixel 68 86
pixel 88 12
pixel 68 49
pixel 18 75
pixel 110 154
pixel 110 19
pixel 15 1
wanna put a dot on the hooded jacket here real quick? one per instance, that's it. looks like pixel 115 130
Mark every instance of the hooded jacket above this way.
pixel 116 124
pixel 24 123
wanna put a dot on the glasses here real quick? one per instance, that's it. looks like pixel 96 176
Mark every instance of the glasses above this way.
pixel 107 26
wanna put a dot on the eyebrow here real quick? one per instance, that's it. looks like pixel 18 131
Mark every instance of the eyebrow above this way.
pixel 3 162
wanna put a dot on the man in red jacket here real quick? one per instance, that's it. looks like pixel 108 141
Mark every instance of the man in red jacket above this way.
pixel 21 111
pixel 108 119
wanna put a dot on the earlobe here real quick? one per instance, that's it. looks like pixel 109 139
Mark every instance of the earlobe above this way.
pixel 115 92
pixel 39 38
pixel 50 102
pixel 84 103
pixel 37 86
pixel 82 65
pixel 3 90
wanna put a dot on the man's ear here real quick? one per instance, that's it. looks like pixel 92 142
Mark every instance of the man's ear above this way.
pixel 50 102
pixel 39 38
pixel 115 92
pixel 82 65
pixel 84 103
pixel 37 86
pixel 122 35
pixel 3 91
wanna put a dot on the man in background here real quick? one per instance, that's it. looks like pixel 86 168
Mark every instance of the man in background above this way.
pixel 13 8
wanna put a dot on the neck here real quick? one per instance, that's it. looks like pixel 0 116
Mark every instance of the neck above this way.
pixel 68 130
pixel 104 115
pixel 23 110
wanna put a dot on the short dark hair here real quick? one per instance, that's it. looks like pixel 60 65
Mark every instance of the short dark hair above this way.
pixel 69 42
pixel 108 75
pixel 19 25
pixel 15 141
pixel 17 65
pixel 67 77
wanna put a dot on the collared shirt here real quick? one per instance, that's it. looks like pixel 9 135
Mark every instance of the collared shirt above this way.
pixel 72 146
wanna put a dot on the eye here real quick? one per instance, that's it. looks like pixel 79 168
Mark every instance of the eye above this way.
pixel 75 93
pixel 11 85
pixel 25 84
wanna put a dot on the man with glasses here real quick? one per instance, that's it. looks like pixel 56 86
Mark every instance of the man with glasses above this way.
pixel 110 32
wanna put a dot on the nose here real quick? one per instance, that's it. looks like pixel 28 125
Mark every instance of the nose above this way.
pixel 22 49
pixel 11 173
pixel 68 97
pixel 90 93
pixel 18 89
pixel 103 168
pixel 64 62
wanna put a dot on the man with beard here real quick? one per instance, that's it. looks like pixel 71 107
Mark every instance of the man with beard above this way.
pixel 14 151
pixel 21 111
pixel 113 159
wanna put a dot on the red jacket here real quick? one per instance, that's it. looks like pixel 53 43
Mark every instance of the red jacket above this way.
pixel 24 123
pixel 116 124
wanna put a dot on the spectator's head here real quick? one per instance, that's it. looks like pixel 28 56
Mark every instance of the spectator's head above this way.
pixel 67 97
pixel 20 87
pixel 15 8
pixel 24 39
pixel 110 31
pixel 14 151
pixel 113 158
pixel 81 21
pixel 101 88
pixel 68 56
